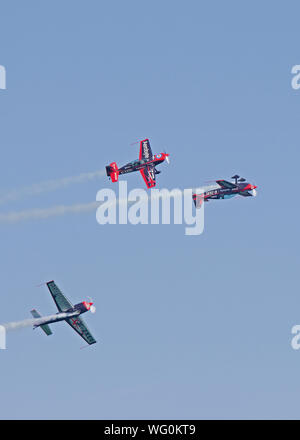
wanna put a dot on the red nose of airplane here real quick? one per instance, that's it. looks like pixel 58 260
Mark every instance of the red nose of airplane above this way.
pixel 88 305
pixel 249 187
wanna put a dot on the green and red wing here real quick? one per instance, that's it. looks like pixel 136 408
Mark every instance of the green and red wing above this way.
pixel 62 303
pixel 81 328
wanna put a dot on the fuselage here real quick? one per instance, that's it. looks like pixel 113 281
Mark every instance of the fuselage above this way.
pixel 217 192
pixel 77 310
pixel 137 165
pixel 223 193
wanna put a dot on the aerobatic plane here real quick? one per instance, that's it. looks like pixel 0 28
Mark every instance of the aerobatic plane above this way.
pixel 225 190
pixel 146 164
pixel 66 312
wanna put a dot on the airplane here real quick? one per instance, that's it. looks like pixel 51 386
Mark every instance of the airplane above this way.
pixel 146 164
pixel 66 312
pixel 226 190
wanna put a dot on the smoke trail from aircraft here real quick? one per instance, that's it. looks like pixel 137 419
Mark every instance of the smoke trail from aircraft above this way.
pixel 42 320
pixel 48 186
pixel 19 324
pixel 55 211
pixel 39 214
pixel 61 210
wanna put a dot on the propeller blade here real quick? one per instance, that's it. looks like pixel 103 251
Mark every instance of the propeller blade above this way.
pixel 92 307
pixel 167 156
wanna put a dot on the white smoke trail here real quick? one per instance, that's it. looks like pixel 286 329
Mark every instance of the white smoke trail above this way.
pixel 19 324
pixel 61 210
pixel 42 320
pixel 55 211
pixel 47 186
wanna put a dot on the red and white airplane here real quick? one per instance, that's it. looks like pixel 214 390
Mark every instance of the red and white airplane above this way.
pixel 66 312
pixel 225 190
pixel 146 164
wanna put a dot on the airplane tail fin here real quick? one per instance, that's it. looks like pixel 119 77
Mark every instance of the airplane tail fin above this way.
pixel 113 172
pixel 44 327
pixel 198 200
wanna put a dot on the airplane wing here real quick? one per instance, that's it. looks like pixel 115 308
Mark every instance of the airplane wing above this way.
pixel 245 194
pixel 80 327
pixel 148 174
pixel 62 303
pixel 226 184
pixel 145 150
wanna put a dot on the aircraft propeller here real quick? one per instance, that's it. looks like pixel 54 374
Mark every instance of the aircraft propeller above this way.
pixel 167 157
pixel 92 308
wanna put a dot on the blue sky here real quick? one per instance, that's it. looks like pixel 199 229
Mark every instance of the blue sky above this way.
pixel 187 327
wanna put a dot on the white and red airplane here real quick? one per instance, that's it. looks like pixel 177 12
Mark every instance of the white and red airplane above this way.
pixel 66 312
pixel 146 164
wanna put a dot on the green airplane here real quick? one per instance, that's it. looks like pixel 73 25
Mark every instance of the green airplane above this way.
pixel 66 312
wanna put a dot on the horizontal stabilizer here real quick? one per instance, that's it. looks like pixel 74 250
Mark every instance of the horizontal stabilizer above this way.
pixel 44 327
pixel 113 172
pixel 35 314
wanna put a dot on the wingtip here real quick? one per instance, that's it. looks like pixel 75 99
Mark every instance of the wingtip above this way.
pixel 49 282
